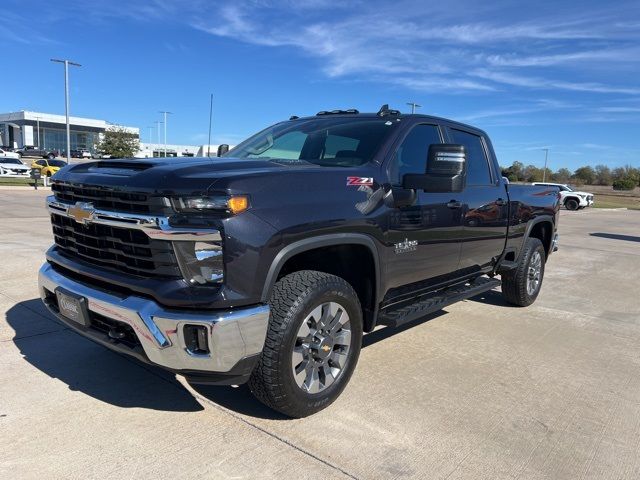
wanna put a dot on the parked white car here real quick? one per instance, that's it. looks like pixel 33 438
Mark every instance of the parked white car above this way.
pixel 570 198
pixel 7 154
pixel 13 167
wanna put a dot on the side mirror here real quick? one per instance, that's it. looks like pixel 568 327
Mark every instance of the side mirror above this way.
pixel 222 149
pixel 445 170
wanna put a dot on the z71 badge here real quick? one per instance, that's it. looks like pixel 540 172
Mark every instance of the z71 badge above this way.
pixel 359 181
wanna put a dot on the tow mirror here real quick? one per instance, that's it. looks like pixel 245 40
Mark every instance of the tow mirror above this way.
pixel 445 170
pixel 222 149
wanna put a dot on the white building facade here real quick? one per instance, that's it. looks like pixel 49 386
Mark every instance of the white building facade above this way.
pixel 48 131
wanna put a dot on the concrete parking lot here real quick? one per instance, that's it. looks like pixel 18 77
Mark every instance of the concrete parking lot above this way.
pixel 479 390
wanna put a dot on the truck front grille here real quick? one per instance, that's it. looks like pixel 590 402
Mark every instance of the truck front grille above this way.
pixel 108 198
pixel 120 249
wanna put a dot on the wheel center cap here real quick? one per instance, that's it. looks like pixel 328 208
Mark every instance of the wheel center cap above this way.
pixel 323 348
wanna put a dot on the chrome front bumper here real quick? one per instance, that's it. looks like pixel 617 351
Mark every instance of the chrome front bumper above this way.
pixel 233 335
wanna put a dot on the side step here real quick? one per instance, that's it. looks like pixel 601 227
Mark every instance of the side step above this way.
pixel 434 302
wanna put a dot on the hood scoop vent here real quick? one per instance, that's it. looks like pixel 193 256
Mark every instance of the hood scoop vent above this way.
pixel 136 166
pixel 119 168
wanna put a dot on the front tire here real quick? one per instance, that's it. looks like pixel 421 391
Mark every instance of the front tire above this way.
pixel 521 286
pixel 312 345
pixel 571 204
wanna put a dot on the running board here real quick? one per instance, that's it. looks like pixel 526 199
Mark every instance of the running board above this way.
pixel 435 302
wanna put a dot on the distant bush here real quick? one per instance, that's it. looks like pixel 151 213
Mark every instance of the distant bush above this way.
pixel 624 184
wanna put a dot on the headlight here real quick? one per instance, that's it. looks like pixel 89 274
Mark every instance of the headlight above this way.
pixel 227 203
pixel 200 262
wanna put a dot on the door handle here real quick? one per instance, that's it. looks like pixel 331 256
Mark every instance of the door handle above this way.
pixel 501 202
pixel 454 204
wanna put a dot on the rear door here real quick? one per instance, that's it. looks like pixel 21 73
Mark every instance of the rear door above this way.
pixel 485 210
pixel 423 240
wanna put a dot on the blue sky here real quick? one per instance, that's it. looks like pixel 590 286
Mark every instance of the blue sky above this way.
pixel 560 75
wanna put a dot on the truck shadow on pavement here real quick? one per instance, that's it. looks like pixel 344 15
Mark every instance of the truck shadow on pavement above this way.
pixel 241 400
pixel 125 382
pixel 616 236
pixel 492 297
pixel 92 369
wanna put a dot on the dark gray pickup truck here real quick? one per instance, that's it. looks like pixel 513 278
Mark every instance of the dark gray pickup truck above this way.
pixel 267 265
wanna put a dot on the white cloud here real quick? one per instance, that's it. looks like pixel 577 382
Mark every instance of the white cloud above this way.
pixel 619 109
pixel 459 46
pixel 430 47
pixel 603 57
pixel 551 84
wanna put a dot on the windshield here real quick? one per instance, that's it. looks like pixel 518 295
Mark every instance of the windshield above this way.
pixel 11 160
pixel 57 163
pixel 330 142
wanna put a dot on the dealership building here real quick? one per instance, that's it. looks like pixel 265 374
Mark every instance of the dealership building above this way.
pixel 48 131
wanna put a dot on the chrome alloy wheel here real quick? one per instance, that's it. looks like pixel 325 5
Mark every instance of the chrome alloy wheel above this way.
pixel 322 347
pixel 534 273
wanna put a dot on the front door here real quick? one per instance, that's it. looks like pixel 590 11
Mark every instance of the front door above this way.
pixel 423 240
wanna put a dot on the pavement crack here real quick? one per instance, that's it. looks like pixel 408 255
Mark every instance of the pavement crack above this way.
pixel 182 388
pixel 24 337
pixel 275 437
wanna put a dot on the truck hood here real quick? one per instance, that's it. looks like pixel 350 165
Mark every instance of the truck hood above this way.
pixel 194 175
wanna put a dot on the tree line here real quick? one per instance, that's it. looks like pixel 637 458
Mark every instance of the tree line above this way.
pixel 621 178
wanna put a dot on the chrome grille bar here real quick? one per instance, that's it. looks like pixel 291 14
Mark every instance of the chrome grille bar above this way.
pixel 154 226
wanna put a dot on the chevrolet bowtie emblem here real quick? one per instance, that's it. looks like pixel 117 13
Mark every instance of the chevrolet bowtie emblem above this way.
pixel 82 212
pixel 326 348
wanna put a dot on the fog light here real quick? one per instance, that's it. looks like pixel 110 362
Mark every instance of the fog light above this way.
pixel 200 262
pixel 196 339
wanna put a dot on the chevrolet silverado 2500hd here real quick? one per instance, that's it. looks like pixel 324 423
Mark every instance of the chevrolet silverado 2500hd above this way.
pixel 267 265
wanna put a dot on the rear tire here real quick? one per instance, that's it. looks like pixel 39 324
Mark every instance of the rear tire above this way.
pixel 295 372
pixel 521 285
pixel 571 204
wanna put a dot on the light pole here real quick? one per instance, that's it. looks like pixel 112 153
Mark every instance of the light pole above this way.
pixel 66 100
pixel 38 128
pixel 158 123
pixel 544 172
pixel 165 130
pixel 210 117
pixel 414 105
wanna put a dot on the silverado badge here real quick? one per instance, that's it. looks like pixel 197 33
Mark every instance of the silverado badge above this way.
pixel 406 246
pixel 82 212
